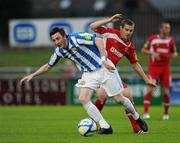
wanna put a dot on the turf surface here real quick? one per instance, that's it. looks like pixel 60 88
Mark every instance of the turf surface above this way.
pixel 58 124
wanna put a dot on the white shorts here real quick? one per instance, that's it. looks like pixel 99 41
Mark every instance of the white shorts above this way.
pixel 110 81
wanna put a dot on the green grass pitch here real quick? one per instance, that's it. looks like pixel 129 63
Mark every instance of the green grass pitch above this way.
pixel 58 124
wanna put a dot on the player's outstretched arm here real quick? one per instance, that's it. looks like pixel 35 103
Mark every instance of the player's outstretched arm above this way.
pixel 41 70
pixel 137 67
pixel 100 23
pixel 174 53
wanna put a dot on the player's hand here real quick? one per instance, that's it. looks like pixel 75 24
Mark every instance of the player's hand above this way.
pixel 107 66
pixel 115 18
pixel 26 78
pixel 156 56
pixel 174 54
pixel 151 84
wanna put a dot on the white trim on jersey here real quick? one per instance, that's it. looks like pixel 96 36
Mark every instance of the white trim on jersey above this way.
pixel 84 34
pixel 53 59
pixel 160 50
pixel 114 36
pixel 57 52
pixel 160 41
pixel 83 41
pixel 74 41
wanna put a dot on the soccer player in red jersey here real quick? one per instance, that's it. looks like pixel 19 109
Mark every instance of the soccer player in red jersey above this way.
pixel 160 47
pixel 118 44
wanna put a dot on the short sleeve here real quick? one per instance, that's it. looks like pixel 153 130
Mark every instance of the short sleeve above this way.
pixel 132 57
pixel 101 30
pixel 54 59
pixel 147 43
pixel 172 45
pixel 85 38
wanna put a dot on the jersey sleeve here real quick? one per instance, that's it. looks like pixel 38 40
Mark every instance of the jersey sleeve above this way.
pixel 103 30
pixel 172 46
pixel 147 43
pixel 132 57
pixel 54 59
pixel 85 38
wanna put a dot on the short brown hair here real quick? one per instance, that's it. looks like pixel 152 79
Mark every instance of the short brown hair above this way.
pixel 56 29
pixel 128 22
pixel 162 23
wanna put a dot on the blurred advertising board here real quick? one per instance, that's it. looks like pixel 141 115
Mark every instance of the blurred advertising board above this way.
pixel 37 92
pixel 137 88
pixel 175 91
pixel 55 91
pixel 35 32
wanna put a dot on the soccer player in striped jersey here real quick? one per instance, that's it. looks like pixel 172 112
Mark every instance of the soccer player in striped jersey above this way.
pixel 118 44
pixel 160 47
pixel 88 53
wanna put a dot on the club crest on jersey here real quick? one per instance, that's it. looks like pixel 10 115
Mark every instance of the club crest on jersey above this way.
pixel 81 82
pixel 74 50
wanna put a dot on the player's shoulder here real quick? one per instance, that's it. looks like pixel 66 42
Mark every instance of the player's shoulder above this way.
pixel 154 36
pixel 113 30
pixel 170 38
pixel 132 46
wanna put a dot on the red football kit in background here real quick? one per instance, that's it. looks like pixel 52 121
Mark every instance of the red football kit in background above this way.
pixel 160 69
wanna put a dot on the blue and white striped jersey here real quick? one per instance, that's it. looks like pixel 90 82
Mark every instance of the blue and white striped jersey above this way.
pixel 81 50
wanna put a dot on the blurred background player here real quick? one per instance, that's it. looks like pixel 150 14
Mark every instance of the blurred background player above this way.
pixel 70 69
pixel 118 44
pixel 160 47
pixel 88 53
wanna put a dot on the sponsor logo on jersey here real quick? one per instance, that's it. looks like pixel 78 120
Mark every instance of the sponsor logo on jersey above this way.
pixel 116 52
pixel 88 37
pixel 161 50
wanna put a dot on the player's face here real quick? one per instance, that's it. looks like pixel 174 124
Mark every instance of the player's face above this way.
pixel 126 31
pixel 165 29
pixel 59 40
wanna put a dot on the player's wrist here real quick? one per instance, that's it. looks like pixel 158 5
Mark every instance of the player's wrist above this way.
pixel 103 58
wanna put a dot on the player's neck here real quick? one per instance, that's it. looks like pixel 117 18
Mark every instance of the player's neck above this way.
pixel 163 36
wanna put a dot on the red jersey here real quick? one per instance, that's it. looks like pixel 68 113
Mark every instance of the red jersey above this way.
pixel 116 47
pixel 164 47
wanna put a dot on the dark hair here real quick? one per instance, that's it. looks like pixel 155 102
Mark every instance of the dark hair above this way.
pixel 128 22
pixel 162 23
pixel 56 29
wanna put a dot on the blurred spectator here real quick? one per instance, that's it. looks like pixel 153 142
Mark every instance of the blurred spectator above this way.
pixel 70 69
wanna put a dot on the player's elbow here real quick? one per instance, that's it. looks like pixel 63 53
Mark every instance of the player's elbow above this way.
pixel 143 51
pixel 93 27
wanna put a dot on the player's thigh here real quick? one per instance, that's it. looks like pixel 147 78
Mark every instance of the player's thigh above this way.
pixel 113 84
pixel 85 94
pixel 101 93
pixel 154 73
pixel 90 80
pixel 165 79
